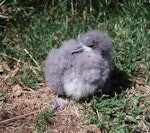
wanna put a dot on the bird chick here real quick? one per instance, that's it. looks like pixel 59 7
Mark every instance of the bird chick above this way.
pixel 79 68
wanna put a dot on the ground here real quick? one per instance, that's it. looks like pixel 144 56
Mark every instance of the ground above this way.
pixel 19 107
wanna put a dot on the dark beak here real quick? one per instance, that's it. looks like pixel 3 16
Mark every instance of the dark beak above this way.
pixel 81 49
pixel 78 50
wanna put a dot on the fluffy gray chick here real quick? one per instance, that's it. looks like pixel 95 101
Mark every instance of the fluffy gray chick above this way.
pixel 101 43
pixel 80 68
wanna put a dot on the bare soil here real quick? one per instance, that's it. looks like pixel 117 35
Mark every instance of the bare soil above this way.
pixel 20 105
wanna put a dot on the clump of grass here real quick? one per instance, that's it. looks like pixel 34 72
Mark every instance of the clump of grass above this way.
pixel 42 119
pixel 119 113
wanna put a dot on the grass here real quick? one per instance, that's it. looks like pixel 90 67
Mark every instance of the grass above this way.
pixel 42 119
pixel 28 30
pixel 119 113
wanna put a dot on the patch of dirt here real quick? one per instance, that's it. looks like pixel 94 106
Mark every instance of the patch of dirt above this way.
pixel 70 120
pixel 18 108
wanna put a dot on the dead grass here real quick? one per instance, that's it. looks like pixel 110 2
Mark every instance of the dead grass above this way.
pixel 18 108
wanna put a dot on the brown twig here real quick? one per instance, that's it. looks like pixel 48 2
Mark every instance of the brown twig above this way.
pixel 26 115
pixel 19 117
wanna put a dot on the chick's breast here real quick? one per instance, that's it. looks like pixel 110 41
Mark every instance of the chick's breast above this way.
pixel 85 77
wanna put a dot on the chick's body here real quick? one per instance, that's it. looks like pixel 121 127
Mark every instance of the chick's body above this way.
pixel 79 73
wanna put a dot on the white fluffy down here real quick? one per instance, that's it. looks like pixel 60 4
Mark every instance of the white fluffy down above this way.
pixel 72 87
pixel 77 87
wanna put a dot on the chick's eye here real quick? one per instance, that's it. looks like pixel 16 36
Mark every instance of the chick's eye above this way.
pixel 91 45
